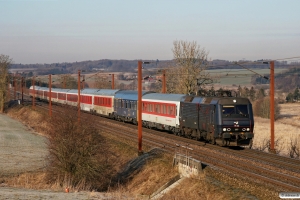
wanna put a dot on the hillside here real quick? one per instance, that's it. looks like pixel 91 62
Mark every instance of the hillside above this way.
pixel 107 65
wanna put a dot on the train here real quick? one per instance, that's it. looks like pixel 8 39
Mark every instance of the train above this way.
pixel 223 119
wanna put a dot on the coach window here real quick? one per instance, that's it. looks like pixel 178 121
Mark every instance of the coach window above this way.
pixel 213 114
pixel 131 104
pixel 128 104
pixel 171 110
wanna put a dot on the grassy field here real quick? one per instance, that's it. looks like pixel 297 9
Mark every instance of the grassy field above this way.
pixel 287 129
pixel 238 76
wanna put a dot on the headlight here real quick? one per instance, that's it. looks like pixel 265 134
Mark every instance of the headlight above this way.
pixel 228 129
pixel 224 129
pixel 248 129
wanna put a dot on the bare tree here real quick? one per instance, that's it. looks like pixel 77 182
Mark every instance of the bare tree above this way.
pixel 261 108
pixel 103 82
pixel 5 62
pixel 188 73
pixel 68 81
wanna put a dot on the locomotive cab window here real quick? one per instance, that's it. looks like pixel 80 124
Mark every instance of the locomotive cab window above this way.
pixel 235 111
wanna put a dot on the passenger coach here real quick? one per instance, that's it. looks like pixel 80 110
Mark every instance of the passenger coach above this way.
pixel 125 105
pixel 104 101
pixel 161 111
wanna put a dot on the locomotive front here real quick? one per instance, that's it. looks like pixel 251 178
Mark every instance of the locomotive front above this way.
pixel 235 122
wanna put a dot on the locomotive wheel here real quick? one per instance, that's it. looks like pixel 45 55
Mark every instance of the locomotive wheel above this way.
pixel 212 141
pixel 250 144
pixel 224 142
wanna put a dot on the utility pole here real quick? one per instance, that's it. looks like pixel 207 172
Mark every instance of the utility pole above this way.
pixel 140 151
pixel 139 111
pixel 15 89
pixel 78 103
pixel 83 79
pixel 113 81
pixel 272 113
pixel 50 96
pixel 164 82
pixel 8 88
pixel 33 95
pixel 65 82
pixel 22 85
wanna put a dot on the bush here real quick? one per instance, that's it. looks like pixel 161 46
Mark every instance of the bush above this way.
pixel 79 155
pixel 261 108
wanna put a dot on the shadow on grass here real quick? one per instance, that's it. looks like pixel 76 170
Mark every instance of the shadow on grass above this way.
pixel 135 165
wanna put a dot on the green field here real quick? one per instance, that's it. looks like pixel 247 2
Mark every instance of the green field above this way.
pixel 238 76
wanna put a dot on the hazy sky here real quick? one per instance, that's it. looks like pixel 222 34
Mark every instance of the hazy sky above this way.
pixel 51 31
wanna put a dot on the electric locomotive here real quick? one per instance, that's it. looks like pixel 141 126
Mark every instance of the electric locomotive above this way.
pixel 227 121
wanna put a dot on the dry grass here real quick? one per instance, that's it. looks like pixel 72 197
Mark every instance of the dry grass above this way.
pixel 28 181
pixel 287 128
pixel 155 174
pixel 35 120
pixel 196 188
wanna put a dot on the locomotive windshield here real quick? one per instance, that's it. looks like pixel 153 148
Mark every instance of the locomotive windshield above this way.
pixel 229 111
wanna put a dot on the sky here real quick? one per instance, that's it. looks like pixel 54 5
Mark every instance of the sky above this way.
pixel 56 31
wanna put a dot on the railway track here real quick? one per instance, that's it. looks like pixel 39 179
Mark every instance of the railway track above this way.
pixel 281 173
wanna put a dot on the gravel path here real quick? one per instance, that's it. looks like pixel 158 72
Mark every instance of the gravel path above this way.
pixel 26 194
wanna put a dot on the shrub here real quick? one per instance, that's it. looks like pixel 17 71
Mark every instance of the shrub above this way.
pixel 79 155
pixel 261 108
